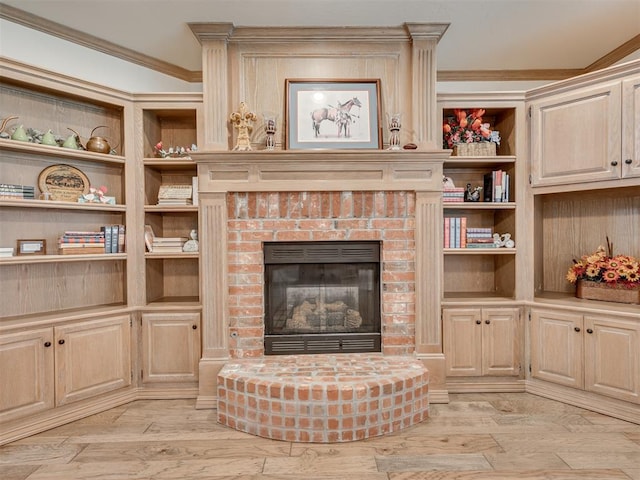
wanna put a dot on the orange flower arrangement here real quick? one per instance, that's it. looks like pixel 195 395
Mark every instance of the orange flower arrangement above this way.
pixel 603 267
pixel 465 127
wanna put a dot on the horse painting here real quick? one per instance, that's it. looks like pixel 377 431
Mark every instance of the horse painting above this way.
pixel 340 115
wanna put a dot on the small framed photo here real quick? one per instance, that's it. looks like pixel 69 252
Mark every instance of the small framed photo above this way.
pixel 31 247
pixel 332 114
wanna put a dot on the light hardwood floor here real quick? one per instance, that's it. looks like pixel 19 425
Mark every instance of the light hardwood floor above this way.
pixel 475 437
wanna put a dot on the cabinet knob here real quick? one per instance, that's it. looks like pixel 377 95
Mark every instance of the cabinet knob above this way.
pixel 478 322
pixel 577 329
pixel 487 322
pixel 589 330
pixel 628 161
pixel 614 163
pixel 195 327
pixel 47 344
pixel 61 342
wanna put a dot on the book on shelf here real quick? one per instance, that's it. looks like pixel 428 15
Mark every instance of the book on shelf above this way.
pixel 496 186
pixel 6 252
pixel 453 194
pixel 194 190
pixel 175 194
pixel 15 191
pixel 87 250
pixel 110 239
pixel 156 244
pixel 455 232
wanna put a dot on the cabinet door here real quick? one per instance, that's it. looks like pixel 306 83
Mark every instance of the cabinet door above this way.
pixel 26 381
pixel 500 341
pixel 171 347
pixel 576 136
pixel 92 358
pixel 462 334
pixel 631 127
pixel 557 347
pixel 612 357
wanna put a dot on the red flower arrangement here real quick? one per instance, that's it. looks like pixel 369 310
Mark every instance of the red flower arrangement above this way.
pixel 602 267
pixel 466 127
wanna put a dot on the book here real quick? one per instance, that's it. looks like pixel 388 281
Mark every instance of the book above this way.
pixel 447 231
pixel 89 250
pixel 463 232
pixel 148 237
pixel 121 239
pixel 194 190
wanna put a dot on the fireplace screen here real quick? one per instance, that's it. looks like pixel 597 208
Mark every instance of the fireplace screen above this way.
pixel 322 296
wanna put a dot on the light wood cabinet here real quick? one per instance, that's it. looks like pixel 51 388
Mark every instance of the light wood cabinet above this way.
pixel 482 341
pixel 586 131
pixel 27 378
pixel 92 358
pixel 597 353
pixel 48 367
pixel 170 347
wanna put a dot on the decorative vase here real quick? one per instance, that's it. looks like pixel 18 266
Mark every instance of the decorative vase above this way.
pixel 607 292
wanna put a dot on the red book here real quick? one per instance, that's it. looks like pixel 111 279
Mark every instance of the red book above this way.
pixel 447 231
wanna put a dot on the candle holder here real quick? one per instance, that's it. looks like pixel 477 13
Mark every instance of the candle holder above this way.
pixel 270 121
pixel 395 122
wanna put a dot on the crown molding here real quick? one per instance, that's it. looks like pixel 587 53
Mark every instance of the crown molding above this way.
pixel 287 34
pixel 89 41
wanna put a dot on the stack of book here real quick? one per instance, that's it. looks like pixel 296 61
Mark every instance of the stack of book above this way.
pixel 167 244
pixel 480 237
pixel 455 229
pixel 453 194
pixel 11 190
pixel 175 194
pixel 6 252
pixel 496 186
pixel 109 239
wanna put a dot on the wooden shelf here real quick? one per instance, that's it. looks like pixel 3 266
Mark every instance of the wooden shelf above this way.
pixel 170 208
pixel 480 251
pixel 92 207
pixel 181 303
pixel 151 255
pixel 479 205
pixel 479 162
pixel 170 163
pixel 30 259
pixel 60 152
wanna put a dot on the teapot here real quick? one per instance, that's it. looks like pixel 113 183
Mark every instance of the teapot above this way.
pixel 98 144
pixel 20 134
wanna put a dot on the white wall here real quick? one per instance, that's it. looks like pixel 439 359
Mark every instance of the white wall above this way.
pixel 52 53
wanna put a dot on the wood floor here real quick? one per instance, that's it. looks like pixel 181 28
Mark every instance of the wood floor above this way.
pixel 475 437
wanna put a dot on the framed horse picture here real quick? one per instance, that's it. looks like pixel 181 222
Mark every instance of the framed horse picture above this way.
pixel 332 114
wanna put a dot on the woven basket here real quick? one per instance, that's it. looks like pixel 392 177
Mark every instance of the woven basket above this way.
pixel 477 149
pixel 607 293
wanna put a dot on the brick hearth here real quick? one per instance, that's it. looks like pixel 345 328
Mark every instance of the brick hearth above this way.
pixel 323 398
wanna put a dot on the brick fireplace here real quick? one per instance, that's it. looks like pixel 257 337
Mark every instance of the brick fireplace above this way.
pixel 251 198
pixel 248 198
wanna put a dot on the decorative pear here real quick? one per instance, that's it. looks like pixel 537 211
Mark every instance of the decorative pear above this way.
pixel 49 139
pixel 20 134
pixel 71 142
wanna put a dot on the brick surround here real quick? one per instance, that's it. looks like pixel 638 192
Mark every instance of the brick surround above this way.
pixel 257 217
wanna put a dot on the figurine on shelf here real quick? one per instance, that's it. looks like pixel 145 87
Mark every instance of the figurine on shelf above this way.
pixel 472 194
pixel 174 152
pixel 447 182
pixel 270 130
pixel 192 244
pixel 97 195
pixel 503 240
pixel 395 122
pixel 241 121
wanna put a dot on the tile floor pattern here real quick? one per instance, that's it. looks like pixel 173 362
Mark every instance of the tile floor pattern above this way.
pixel 475 437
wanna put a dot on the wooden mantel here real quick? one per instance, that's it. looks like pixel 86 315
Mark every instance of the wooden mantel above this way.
pixel 320 170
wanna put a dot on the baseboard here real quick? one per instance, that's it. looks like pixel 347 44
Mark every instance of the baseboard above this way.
pixel 589 401
pixel 486 386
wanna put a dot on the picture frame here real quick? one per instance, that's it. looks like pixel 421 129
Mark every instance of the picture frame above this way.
pixel 332 114
pixel 31 247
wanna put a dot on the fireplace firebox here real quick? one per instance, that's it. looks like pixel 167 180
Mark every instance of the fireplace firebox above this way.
pixel 322 297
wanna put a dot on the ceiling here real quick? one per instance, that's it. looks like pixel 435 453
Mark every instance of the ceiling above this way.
pixel 503 39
